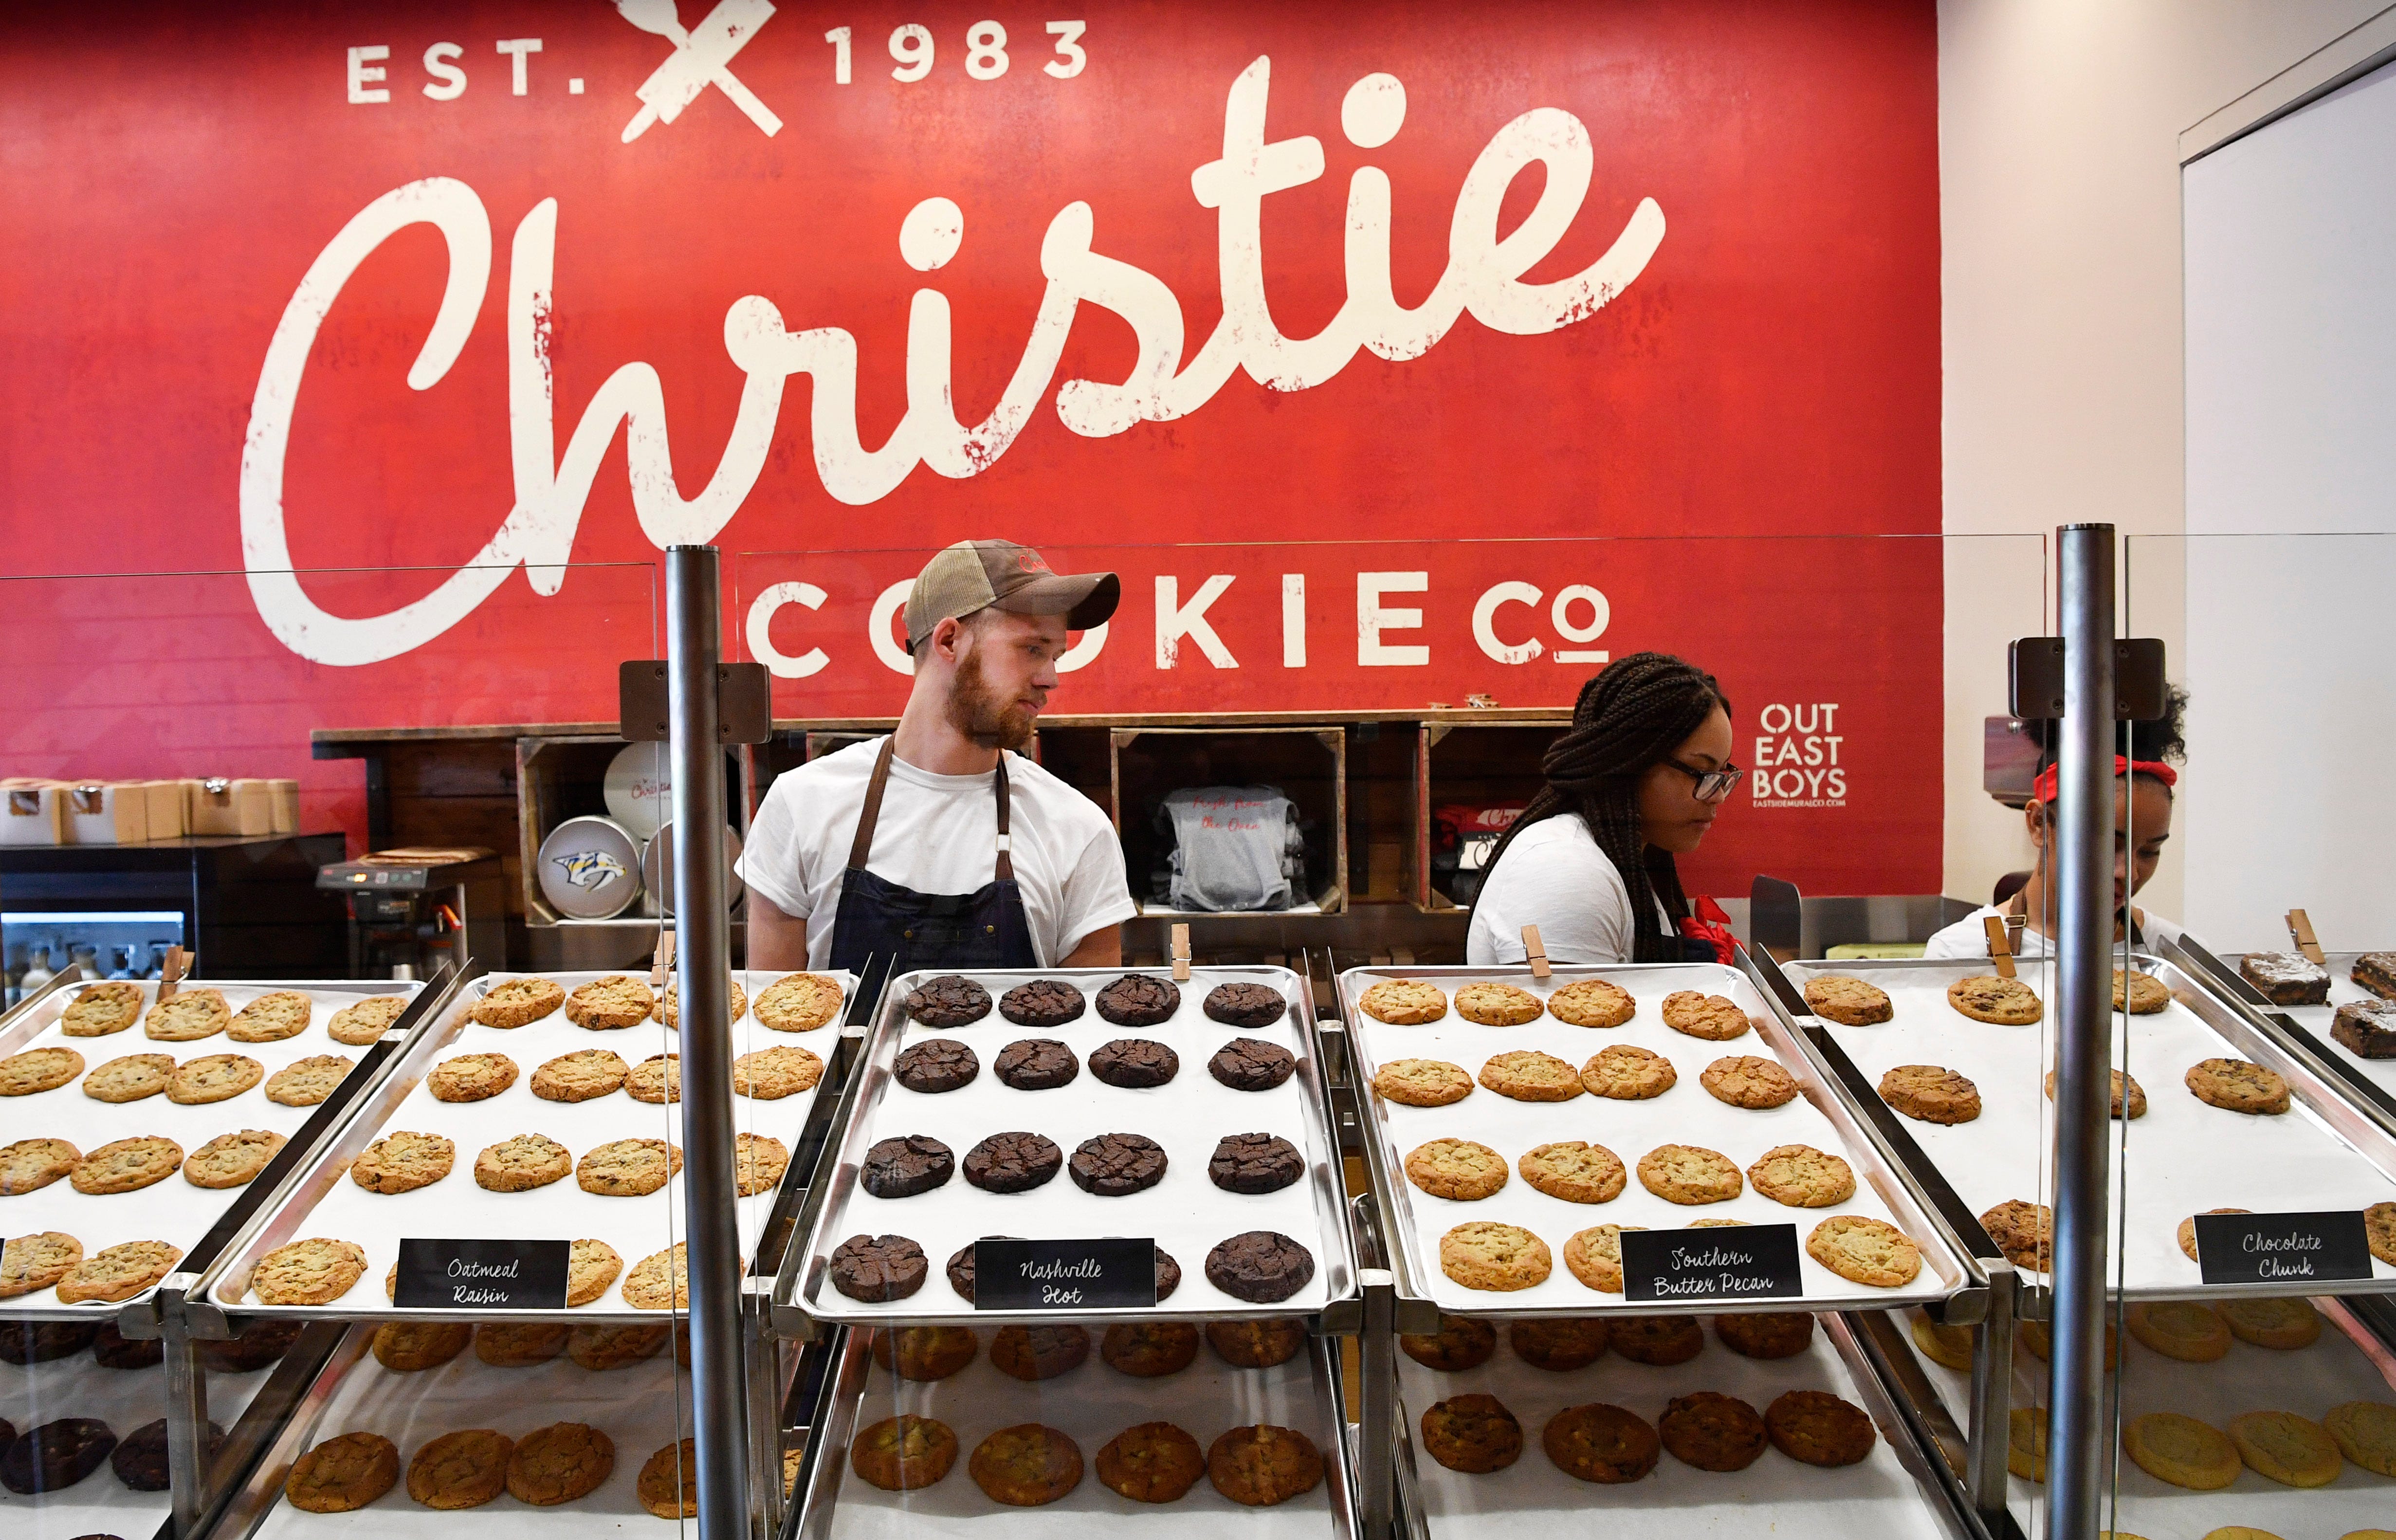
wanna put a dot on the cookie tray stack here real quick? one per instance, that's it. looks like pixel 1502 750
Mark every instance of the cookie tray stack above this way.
pixel 622 1211
pixel 1264 1114
pixel 2369 1083
pixel 2185 1156
pixel 1521 1088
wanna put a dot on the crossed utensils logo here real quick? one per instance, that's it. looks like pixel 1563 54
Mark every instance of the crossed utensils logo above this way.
pixel 702 56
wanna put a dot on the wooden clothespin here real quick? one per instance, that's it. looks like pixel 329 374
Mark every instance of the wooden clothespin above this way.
pixel 2001 948
pixel 2300 931
pixel 1536 953
pixel 1181 953
pixel 663 963
pixel 172 970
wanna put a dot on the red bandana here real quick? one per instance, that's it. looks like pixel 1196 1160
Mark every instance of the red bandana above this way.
pixel 2043 788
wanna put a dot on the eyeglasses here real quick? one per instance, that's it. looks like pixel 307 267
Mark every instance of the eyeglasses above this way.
pixel 1711 785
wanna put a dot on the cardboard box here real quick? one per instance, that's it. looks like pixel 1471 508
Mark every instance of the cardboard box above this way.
pixel 107 813
pixel 165 807
pixel 32 816
pixel 284 796
pixel 220 805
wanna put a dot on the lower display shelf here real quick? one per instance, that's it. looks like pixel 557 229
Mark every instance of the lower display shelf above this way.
pixel 1890 1491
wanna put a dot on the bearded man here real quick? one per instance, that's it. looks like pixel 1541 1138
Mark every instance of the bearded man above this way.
pixel 938 846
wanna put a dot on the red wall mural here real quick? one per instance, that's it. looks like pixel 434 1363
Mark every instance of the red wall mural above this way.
pixel 1393 353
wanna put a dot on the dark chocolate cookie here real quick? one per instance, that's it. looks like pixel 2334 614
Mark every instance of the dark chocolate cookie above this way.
pixel 114 1349
pixel 904 1167
pixel 1042 1002
pixel 1246 1005
pixel 1254 1162
pixel 935 1064
pixel 56 1455
pixel 1261 1267
pixel 255 1348
pixel 1116 1165
pixel 961 1271
pixel 951 1000
pixel 1251 1064
pixel 1036 1063
pixel 140 1460
pixel 1136 1064
pixel 1012 1163
pixel 1140 999
pixel 40 1341
pixel 877 1267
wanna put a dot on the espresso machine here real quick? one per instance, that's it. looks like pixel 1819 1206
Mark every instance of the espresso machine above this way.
pixel 412 910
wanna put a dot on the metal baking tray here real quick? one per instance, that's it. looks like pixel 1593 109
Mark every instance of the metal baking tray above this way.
pixel 195 1218
pixel 2306 1028
pixel 1093 1404
pixel 1186 1116
pixel 455 1206
pixel 1896 1491
pixel 2322 1153
pixel 1687 1114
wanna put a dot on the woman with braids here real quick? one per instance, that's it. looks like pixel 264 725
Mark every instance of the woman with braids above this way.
pixel 1637 781
pixel 2142 819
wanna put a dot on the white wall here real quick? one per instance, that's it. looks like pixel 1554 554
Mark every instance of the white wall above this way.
pixel 2060 227
pixel 2291 433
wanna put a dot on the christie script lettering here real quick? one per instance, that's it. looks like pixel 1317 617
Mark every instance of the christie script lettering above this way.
pixel 1482 276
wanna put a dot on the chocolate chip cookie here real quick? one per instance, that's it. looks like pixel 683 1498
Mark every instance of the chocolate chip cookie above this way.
pixel 2136 1095
pixel 471 1077
pixel 1036 1063
pixel 1819 1428
pixel 627 1168
pixel 1745 1079
pixel 2186 1234
pixel 660 1281
pixel 1151 1349
pixel 118 1272
pixel 1626 1072
pixel 1116 1165
pixel 1140 999
pixel 803 1001
pixel 190 1015
pixel 365 1021
pixel 306 1082
pixel 1593 1002
pixel 521 1162
pixel 1403 1002
pixel 342 1474
pixel 903 1453
pixel 1014 1161
pixel 314 1271
pixel 1711 1431
pixel 656 1080
pixel 1256 1344
pixel 2005 1001
pixel 101 1009
pixel 1035 1352
pixel 1262 1465
pixel 769 1074
pixel 2235 1085
pixel 1497 1004
pixel 1849 1001
pixel 1261 1267
pixel 1526 1074
pixel 935 1064
pixel 668 1009
pixel 1474 1434
pixel 905 1166
pixel 1573 1170
pixel 403 1161
pixel 32 1263
pixel 1043 1002
pixel 1559 1346
pixel 127 1165
pixel 1460 1342
pixel 213 1078
pixel 1863 1250
pixel 271 1018
pixel 590 1266
pixel 1930 1092
pixel 38 1070
pixel 610 1005
pixel 1766 1333
pixel 951 1000
pixel 583 1075
pixel 875 1269
pixel 1134 1064
pixel 56 1455
pixel 1027 1464
pixel 1457 1169
pixel 132 1077
pixel 1689 1174
pixel 1150 1462
pixel 1600 1442
pixel 1802 1176
pixel 515 1002
pixel 1257 1163
pixel 30 1165
pixel 1422 1082
pixel 1246 1004
pixel 1716 1018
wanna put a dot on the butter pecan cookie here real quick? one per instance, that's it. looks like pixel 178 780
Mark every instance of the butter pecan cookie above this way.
pixel 656 1080
pixel 231 1160
pixel 513 1002
pixel 1593 1002
pixel 2121 1083
pixel 1422 1082
pixel 1748 1080
pixel 213 1078
pixel 30 1165
pixel 580 1076
pixel 306 1082
pixel 1711 1431
pixel 1573 1170
pixel 1863 1250
pixel 1802 1176
pixel 271 1018
pixel 1713 1017
pixel 412 1346
pixel 1483 1255
pixel 1659 1341
pixel 1559 1346
pixel 1816 1427
pixel 1689 1174
pixel 802 1002
pixel 131 1078
pixel 903 1453
pixel 669 1006
pixel 2147 995
pixel 38 1070
pixel 342 1474
pixel 757 1163
pixel 1026 1465
pixel 1849 1001
pixel 1152 1462
pixel 627 1168
pixel 1930 1092
pixel 590 1266
pixel 660 1281
pixel 1594 1255
pixel 314 1271
pixel 1455 1168
pixel 403 1161
pixel 471 1077
pixel 1262 1465
pixel 1403 1002
pixel 1460 1342
pixel 1765 1334
pixel 190 1015
pixel 99 1010
pixel 521 1162
pixel 127 1165
pixel 1526 1074
pixel 365 1021
pixel 770 1074
pixel 560 1463
pixel 1497 1004
pixel 1625 1072
pixel 1600 1442
pixel 1474 1434
pixel 610 1005
pixel 2005 1001
pixel 2235 1085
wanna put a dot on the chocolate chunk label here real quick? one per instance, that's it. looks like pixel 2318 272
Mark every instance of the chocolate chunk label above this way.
pixel 1109 1273
pixel 2283 1248
pixel 1718 1262
pixel 482 1275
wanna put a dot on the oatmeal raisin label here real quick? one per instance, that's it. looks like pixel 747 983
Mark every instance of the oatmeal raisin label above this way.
pixel 2283 1248
pixel 482 1275
pixel 1109 1273
pixel 1715 1262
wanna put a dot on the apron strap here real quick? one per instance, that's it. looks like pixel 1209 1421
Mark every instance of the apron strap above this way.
pixel 1006 869
pixel 862 846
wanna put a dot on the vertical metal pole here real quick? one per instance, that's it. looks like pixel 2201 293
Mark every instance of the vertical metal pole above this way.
pixel 1377 1419
pixel 187 1417
pixel 1992 1384
pixel 2078 1439
pixel 694 641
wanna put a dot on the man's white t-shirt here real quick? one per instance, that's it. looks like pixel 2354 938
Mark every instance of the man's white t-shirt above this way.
pixel 937 834
pixel 1969 935
pixel 1555 877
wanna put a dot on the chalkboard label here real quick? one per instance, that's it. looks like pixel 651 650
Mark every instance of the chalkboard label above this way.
pixel 2283 1248
pixel 1718 1262
pixel 1064 1275
pixel 482 1275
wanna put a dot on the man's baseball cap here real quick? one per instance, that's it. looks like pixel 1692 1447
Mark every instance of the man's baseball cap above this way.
pixel 978 575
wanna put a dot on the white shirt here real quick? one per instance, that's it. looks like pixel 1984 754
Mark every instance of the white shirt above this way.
pixel 1555 877
pixel 937 834
pixel 1969 938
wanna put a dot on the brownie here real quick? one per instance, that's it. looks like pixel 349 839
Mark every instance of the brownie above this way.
pixel 936 1065
pixel 2377 972
pixel 1246 1005
pixel 1251 1064
pixel 1036 1063
pixel 56 1455
pixel 140 1460
pixel 961 1271
pixel 1012 1163
pixel 255 1348
pixel 1116 1165
pixel 878 1268
pixel 1136 1064
pixel 905 1166
pixel 1140 999
pixel 948 1001
pixel 40 1341
pixel 2285 978
pixel 1042 1002
pixel 1261 1267
pixel 114 1349
pixel 1254 1162
pixel 2367 1027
